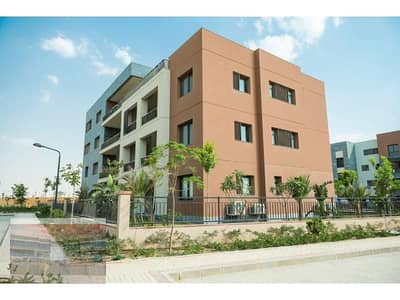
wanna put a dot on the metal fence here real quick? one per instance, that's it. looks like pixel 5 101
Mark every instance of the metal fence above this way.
pixel 157 210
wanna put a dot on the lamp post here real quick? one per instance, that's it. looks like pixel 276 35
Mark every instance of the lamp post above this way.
pixel 58 167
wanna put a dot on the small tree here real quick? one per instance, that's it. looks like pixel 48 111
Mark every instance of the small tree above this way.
pixel 298 187
pixel 207 158
pixel 19 192
pixel 171 159
pixel 72 176
pixel 47 186
pixel 320 194
pixel 385 183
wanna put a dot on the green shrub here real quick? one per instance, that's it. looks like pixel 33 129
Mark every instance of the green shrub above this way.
pixel 231 235
pixel 159 238
pixel 16 209
pixel 44 211
pixel 114 248
pixel 57 213
pixel 146 252
pixel 316 226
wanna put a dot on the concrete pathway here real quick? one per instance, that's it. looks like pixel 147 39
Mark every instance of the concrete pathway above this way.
pixel 184 268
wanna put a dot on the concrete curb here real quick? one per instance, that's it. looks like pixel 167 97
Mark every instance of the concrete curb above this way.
pixel 198 273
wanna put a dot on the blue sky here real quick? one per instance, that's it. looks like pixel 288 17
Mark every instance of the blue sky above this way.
pixel 53 69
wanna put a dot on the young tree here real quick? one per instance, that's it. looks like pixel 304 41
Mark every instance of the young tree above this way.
pixel 385 183
pixel 298 187
pixel 171 159
pixel 233 184
pixel 207 158
pixel 320 194
pixel 72 176
pixel 19 192
pixel 47 185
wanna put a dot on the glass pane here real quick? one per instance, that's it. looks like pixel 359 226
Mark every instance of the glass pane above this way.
pixel 246 185
pixel 242 85
pixel 185 135
pixel 243 133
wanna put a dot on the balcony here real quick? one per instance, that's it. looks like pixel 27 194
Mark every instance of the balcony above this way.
pixel 130 127
pixel 129 166
pixel 111 111
pixel 110 140
pixel 149 116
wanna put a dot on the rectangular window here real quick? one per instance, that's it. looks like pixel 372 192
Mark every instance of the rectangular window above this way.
pixel 394 148
pixel 95 168
pixel 241 82
pixel 86 171
pixel 370 151
pixel 370 183
pixel 365 167
pixel 96 142
pixel 247 187
pixel 88 125
pixel 277 183
pixel 243 132
pixel 98 116
pixel 186 133
pixel 283 93
pixel 186 83
pixel 87 148
pixel 340 162
pixel 285 138
pixel 185 187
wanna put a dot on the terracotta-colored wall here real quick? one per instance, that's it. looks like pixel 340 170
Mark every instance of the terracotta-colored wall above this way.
pixel 214 106
pixel 385 139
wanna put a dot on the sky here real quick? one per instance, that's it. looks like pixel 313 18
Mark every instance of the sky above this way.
pixel 53 69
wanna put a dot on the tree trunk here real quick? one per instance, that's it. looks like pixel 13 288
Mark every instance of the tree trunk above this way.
pixel 172 223
pixel 300 201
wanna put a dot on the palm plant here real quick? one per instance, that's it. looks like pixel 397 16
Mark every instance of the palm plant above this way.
pixel 320 194
pixel 299 187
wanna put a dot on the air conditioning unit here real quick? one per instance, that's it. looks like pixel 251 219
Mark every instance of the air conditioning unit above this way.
pixel 257 209
pixel 236 208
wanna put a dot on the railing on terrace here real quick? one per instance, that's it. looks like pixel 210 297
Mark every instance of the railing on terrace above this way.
pixel 111 140
pixel 153 211
pixel 149 116
pixel 99 209
pixel 130 127
pixel 111 111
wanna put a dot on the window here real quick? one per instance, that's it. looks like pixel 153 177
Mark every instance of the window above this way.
pixel 86 171
pixel 282 93
pixel 241 83
pixel 394 148
pixel 95 168
pixel 186 83
pixel 130 118
pixel 365 168
pixel 185 187
pixel 370 183
pixel 247 187
pixel 87 148
pixel 88 125
pixel 96 142
pixel 98 116
pixel 277 183
pixel 370 151
pixel 285 138
pixel 340 162
pixel 186 133
pixel 243 132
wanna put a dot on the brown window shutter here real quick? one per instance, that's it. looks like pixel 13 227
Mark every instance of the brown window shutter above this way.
pixel 294 97
pixel 235 81
pixel 250 134
pixel 237 131
pixel 248 85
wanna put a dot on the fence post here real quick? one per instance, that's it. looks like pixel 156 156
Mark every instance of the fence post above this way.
pixel 266 209
pixel 219 209
pixel 123 213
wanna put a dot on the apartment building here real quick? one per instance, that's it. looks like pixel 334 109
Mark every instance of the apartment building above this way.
pixel 264 115
pixel 356 156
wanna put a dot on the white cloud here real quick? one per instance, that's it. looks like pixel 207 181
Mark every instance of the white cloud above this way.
pixel 45 97
pixel 337 21
pixel 258 24
pixel 122 53
pixel 53 79
pixel 65 47
pixel 103 69
pixel 283 46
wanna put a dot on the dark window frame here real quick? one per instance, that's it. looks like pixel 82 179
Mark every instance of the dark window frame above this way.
pixel 181 181
pixel 95 169
pixel 278 138
pixel 364 167
pixel 277 181
pixel 251 186
pixel 341 160
pixel 280 92
pixel 237 77
pixel 86 148
pixel 189 137
pixel 238 132
pixel 98 116
pixel 188 75
pixel 86 172
pixel 97 139
pixel 88 125
pixel 370 151
pixel 392 148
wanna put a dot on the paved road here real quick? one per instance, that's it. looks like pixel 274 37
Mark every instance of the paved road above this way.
pixel 380 268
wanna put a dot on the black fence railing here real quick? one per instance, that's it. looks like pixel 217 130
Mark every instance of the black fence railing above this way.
pixel 150 115
pixel 99 209
pixel 157 210
pixel 111 140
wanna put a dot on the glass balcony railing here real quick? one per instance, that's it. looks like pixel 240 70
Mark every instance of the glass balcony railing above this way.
pixel 130 127
pixel 149 116
pixel 110 140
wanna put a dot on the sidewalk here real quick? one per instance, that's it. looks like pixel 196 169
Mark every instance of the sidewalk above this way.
pixel 173 269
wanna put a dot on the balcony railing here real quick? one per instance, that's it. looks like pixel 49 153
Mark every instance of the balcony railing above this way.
pixel 129 166
pixel 110 140
pixel 130 127
pixel 149 116
pixel 111 111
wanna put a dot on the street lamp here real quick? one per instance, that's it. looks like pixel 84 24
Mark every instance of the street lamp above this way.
pixel 58 166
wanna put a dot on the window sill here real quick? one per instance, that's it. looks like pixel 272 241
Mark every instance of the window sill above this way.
pixel 285 147
pixel 238 91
